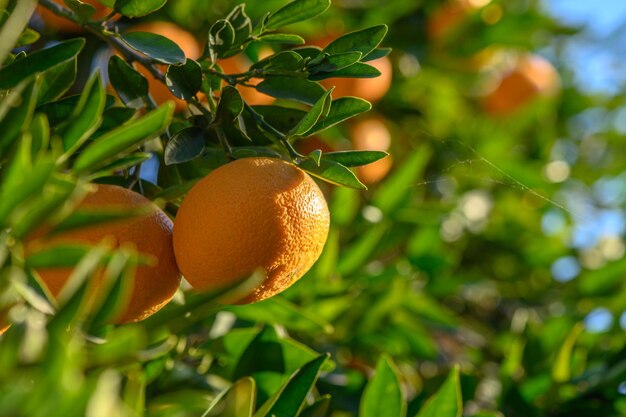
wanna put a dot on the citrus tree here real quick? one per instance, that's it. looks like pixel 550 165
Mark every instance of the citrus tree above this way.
pixel 202 215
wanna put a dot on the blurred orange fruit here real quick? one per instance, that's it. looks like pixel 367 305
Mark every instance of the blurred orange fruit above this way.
pixel 185 40
pixel 531 77
pixel 151 234
pixel 248 214
pixel 371 134
pixel 61 24
pixel 450 16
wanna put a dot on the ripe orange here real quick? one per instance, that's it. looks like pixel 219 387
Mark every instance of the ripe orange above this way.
pixel 531 77
pixel 449 16
pixel 151 234
pixel 61 24
pixel 185 40
pixel 372 135
pixel 237 64
pixel 251 213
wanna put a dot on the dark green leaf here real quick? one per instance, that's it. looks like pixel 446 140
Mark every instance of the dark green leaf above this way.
pixel 319 408
pixel 124 138
pixel 58 256
pixel 138 8
pixel 221 38
pixel 185 80
pixel 112 118
pixel 376 54
pixel 335 62
pixel 311 118
pixel 297 89
pixel 240 152
pixel 60 110
pixel 316 156
pixel 19 113
pixel 82 218
pixel 230 105
pixel 383 396
pixel 290 399
pixel 11 29
pixel 130 85
pixel 282 61
pixel 56 81
pixel 285 38
pixel 332 172
pixel 308 52
pixel 236 401
pixel 82 10
pixel 447 402
pixel 355 158
pixel 155 46
pixel 340 110
pixel 363 41
pixel 39 61
pixel 185 145
pixel 357 70
pixel 241 24
pixel 296 11
pixel 86 117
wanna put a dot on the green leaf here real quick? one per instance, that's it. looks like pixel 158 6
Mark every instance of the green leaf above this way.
pixel 221 38
pixel 296 11
pixel 240 152
pixel 316 156
pixel 332 172
pixel 28 37
pixel 124 138
pixel 60 110
pixel 363 41
pixel 340 110
pixel 155 46
pixel 355 158
pixel 86 117
pixel 82 10
pixel 284 38
pixel 561 367
pixel 82 218
pixel 383 396
pixel 297 89
pixel 124 163
pixel 112 118
pixel 310 119
pixel 129 84
pixel 356 70
pixel 308 52
pixel 319 408
pixel 447 401
pixel 333 63
pixel 282 61
pixel 138 8
pixel 40 133
pixel 236 401
pixel 185 80
pixel 289 401
pixel 241 23
pixel 185 145
pixel 376 54
pixel 58 256
pixel 19 113
pixel 56 81
pixel 39 61
pixel 230 105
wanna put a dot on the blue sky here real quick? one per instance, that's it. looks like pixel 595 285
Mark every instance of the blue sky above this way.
pixel 597 54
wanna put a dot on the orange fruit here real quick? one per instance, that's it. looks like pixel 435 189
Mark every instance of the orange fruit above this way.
pixel 308 145
pixel 185 40
pixel 530 78
pixel 448 17
pixel 248 214
pixel 372 135
pixel 61 24
pixel 239 63
pixel 151 234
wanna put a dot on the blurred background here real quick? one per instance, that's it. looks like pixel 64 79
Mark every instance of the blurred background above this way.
pixel 493 236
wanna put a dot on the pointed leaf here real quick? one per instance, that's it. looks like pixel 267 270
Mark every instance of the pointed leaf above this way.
pixel 296 11
pixel 129 84
pixel 157 47
pixel 341 109
pixel 185 145
pixel 355 158
pixel 185 80
pixel 447 401
pixel 332 172
pixel 364 41
pixel 138 8
pixel 56 81
pixel 311 118
pixel 383 396
pixel 39 61
pixel 297 89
